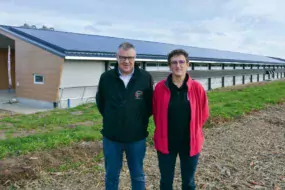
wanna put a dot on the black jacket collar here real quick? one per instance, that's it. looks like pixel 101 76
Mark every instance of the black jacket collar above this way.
pixel 169 82
pixel 136 71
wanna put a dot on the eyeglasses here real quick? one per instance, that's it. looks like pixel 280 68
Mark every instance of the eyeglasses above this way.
pixel 123 58
pixel 180 62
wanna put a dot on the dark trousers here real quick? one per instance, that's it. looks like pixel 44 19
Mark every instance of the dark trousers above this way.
pixel 167 169
pixel 113 157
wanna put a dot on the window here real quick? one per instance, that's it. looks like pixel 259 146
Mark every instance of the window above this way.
pixel 38 79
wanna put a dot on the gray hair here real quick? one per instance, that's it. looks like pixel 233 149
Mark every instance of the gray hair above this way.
pixel 126 46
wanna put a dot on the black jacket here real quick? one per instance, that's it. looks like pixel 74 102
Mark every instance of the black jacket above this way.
pixel 125 110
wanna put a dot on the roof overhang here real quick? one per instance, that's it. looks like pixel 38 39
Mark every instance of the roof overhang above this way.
pixel 110 59
pixel 192 60
pixel 31 41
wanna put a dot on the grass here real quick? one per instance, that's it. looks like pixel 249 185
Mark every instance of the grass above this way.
pixel 54 118
pixel 66 166
pixel 235 103
pixel 53 128
pixel 69 164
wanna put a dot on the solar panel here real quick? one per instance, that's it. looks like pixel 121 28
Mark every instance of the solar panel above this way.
pixel 95 43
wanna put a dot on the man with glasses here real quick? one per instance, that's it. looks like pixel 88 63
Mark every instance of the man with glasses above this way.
pixel 124 99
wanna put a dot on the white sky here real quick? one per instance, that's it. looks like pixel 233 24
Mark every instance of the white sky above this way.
pixel 250 26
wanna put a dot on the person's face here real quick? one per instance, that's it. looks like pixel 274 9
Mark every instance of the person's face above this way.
pixel 126 60
pixel 178 65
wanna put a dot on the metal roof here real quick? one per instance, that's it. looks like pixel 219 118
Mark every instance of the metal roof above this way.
pixel 277 58
pixel 85 45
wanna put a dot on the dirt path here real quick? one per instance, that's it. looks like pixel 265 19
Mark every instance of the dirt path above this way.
pixel 246 154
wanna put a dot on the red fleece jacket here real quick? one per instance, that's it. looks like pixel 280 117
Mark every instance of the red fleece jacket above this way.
pixel 199 115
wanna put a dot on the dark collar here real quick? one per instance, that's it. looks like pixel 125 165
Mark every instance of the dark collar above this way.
pixel 169 82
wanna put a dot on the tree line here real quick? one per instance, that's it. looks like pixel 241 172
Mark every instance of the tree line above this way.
pixel 44 27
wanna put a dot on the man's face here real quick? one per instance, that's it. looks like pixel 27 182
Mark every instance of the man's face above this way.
pixel 178 65
pixel 126 60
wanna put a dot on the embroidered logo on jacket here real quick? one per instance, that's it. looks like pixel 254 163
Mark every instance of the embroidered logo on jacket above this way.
pixel 138 94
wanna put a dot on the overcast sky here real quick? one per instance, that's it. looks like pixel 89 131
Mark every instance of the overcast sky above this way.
pixel 251 26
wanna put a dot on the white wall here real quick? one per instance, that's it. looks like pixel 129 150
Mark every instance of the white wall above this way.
pixel 203 68
pixel 216 82
pixel 79 81
pixel 229 81
pixel 246 79
pixel 80 74
pixel 254 78
pixel 228 67
pixel 204 82
pixel 238 80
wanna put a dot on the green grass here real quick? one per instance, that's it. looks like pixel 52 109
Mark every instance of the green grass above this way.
pixel 230 104
pixel 54 131
pixel 71 164
pixel 17 146
pixel 53 118
pixel 66 166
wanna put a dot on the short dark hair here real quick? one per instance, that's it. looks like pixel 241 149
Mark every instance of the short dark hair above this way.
pixel 126 46
pixel 178 52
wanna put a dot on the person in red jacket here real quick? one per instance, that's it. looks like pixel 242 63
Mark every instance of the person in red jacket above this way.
pixel 180 109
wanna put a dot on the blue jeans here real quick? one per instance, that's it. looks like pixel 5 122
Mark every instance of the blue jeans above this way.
pixel 167 168
pixel 113 156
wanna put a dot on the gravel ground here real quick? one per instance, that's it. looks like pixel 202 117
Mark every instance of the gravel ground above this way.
pixel 248 153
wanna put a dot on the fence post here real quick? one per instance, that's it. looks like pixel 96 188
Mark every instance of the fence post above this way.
pixel 263 72
pixel 258 74
pixel 223 77
pixel 234 77
pixel 251 74
pixel 209 79
pixel 269 75
pixel 83 93
pixel 243 77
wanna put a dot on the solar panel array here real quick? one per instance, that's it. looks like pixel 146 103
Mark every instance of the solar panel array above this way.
pixel 84 43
